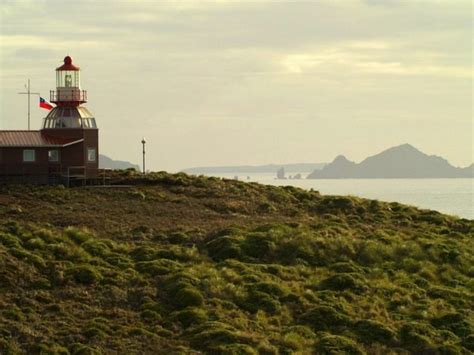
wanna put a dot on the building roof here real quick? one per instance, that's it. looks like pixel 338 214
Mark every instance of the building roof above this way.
pixel 68 65
pixel 33 139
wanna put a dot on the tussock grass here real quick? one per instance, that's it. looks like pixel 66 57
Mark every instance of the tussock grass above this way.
pixel 182 264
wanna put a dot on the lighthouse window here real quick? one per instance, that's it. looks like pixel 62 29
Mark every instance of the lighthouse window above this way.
pixel 53 155
pixel 91 154
pixel 68 81
pixel 29 155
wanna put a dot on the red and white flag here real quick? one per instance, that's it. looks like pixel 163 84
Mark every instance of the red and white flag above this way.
pixel 45 104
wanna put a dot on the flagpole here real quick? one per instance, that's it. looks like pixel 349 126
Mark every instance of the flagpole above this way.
pixel 29 93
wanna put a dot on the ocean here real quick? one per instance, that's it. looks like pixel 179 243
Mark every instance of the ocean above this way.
pixel 450 196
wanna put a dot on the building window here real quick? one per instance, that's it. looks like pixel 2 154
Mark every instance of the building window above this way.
pixel 53 156
pixel 91 154
pixel 29 155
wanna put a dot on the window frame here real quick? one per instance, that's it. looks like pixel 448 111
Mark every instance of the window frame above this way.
pixel 58 156
pixel 89 149
pixel 34 155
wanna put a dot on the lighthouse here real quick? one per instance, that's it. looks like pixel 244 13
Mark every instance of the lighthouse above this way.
pixel 65 149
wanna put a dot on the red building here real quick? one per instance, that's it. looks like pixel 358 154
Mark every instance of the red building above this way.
pixel 67 146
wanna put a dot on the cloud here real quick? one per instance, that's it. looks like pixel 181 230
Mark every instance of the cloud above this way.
pixel 376 57
pixel 197 70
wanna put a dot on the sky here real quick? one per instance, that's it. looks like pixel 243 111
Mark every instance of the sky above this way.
pixel 250 82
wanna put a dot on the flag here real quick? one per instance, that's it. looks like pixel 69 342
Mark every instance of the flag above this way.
pixel 45 104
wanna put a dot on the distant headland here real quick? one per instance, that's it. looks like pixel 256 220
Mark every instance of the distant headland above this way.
pixel 107 163
pixel 399 162
pixel 257 169
pixel 403 161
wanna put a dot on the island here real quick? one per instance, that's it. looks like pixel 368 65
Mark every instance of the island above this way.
pixel 404 161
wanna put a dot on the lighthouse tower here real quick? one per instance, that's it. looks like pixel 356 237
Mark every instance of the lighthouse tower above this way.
pixel 70 120
pixel 65 149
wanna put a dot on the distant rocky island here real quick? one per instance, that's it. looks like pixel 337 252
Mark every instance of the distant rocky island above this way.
pixel 404 161
pixel 107 163
pixel 249 169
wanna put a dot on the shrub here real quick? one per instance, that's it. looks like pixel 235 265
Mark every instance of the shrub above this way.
pixel 9 347
pixel 372 252
pixel 35 244
pixel 191 316
pixel 266 207
pixel 258 246
pixel 94 332
pixel 301 330
pixel 143 253
pixel 81 349
pixel 341 282
pixel 47 235
pixel 77 235
pixel 346 267
pixel 31 258
pixel 234 349
pixel 295 251
pixel 156 267
pixel 13 313
pixel 118 260
pixel 336 344
pixel 9 240
pixel 292 342
pixel 257 300
pixel 468 342
pixel 325 318
pixel 152 306
pixel 41 283
pixel 50 349
pixel 188 297
pixel 271 288
pixel 454 322
pixel 172 253
pixel 150 315
pixel 95 247
pixel 212 334
pixel 223 248
pixel 140 332
pixel 418 337
pixel 84 274
pixel 178 238
pixel 449 349
pixel 343 203
pixel 370 331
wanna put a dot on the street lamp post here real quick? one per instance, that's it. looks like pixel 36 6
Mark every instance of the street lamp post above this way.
pixel 143 143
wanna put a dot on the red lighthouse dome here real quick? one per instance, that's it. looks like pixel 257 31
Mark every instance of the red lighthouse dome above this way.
pixel 68 65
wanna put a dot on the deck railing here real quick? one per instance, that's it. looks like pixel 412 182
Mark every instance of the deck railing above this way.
pixel 69 95
pixel 70 176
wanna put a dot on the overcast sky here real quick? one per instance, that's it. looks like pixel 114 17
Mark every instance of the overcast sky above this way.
pixel 250 82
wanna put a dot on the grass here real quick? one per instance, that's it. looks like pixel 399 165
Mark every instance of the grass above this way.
pixel 178 264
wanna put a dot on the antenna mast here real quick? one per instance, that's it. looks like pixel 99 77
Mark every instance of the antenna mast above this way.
pixel 29 93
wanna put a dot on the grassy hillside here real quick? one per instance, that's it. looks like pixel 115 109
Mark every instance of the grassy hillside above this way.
pixel 179 264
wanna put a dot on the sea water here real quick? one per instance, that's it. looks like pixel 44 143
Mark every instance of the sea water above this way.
pixel 451 196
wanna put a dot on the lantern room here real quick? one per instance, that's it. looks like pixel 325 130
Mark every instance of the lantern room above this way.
pixel 68 85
